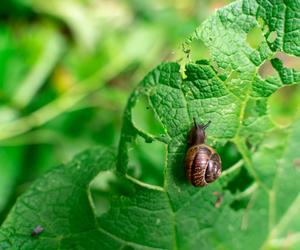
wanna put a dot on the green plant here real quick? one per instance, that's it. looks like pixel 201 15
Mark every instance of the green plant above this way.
pixel 254 204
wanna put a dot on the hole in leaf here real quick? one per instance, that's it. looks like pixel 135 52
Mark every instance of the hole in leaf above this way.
pixel 103 181
pixel 101 203
pixel 272 37
pixel 229 155
pixel 266 69
pixel 255 37
pixel 284 105
pixel 147 161
pixel 240 203
pixel 288 61
pixel 145 119
pixel 191 51
pixel 106 185
pixel 240 182
pixel 199 50
pixel 100 189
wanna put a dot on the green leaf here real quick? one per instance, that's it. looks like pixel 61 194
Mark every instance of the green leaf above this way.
pixel 60 203
pixel 226 90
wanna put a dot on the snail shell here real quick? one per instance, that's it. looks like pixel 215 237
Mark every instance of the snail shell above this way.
pixel 203 164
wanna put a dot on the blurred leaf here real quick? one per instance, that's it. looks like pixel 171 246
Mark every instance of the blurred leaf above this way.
pixel 9 172
pixel 15 8
pixel 27 59
pixel 52 49
pixel 86 19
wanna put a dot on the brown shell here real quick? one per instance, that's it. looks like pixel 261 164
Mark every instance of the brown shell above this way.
pixel 203 165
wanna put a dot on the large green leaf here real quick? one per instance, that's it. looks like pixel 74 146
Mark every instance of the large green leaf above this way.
pixel 178 216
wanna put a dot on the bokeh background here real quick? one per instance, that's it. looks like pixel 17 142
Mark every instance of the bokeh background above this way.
pixel 67 68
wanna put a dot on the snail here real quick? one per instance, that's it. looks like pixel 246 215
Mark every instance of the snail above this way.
pixel 203 164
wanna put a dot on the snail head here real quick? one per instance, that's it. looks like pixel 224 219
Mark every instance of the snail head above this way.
pixel 197 133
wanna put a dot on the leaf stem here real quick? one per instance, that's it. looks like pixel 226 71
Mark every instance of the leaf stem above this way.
pixel 247 191
pixel 233 168
pixel 143 184
pixel 245 218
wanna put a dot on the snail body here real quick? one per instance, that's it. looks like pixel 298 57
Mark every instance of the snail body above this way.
pixel 203 164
